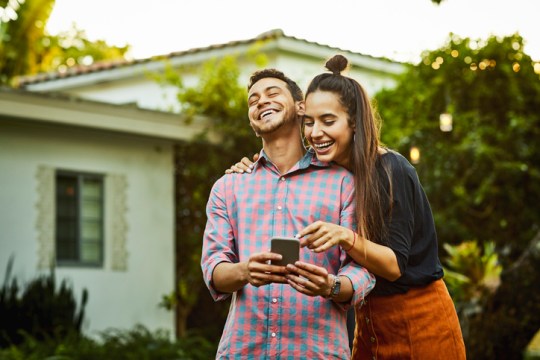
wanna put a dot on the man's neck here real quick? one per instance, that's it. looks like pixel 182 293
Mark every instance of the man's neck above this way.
pixel 284 150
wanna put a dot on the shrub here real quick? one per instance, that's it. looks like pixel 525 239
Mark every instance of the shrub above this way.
pixel 136 344
pixel 42 311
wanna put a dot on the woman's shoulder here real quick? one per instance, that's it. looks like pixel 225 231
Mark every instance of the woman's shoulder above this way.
pixel 397 163
pixel 393 157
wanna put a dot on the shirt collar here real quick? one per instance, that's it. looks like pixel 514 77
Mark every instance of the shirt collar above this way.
pixel 309 159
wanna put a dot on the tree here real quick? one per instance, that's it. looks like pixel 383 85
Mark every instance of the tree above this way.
pixel 26 49
pixel 221 100
pixel 22 26
pixel 72 48
pixel 482 178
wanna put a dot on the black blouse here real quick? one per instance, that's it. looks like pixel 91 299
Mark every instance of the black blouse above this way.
pixel 411 232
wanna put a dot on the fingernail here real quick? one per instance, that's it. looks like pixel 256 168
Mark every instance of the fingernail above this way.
pixel 297 236
pixel 251 166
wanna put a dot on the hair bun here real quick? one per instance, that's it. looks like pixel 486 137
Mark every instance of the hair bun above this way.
pixel 336 64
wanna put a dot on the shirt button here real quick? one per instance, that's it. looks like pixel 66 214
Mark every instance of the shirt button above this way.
pixel 282 179
pixel 273 334
pixel 279 207
pixel 372 339
pixel 367 319
pixel 274 300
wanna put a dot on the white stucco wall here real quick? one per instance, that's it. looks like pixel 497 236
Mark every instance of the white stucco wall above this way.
pixel 118 299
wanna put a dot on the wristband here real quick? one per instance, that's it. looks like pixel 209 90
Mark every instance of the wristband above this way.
pixel 335 289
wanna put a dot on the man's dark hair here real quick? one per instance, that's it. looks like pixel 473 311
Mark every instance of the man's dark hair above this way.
pixel 273 73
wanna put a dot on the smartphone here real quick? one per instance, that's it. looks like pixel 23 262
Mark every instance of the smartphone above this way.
pixel 288 247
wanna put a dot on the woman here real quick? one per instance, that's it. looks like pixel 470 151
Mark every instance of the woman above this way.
pixel 409 314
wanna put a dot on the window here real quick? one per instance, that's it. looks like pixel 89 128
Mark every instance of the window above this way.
pixel 79 219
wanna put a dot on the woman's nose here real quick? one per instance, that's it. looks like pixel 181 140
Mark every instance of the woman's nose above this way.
pixel 316 130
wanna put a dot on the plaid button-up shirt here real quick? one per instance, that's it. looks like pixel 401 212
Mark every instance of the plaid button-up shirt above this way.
pixel 244 211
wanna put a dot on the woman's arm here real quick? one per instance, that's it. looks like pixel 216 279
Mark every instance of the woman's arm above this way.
pixel 377 259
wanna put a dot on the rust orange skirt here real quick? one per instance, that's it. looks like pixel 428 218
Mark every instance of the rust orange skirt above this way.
pixel 420 324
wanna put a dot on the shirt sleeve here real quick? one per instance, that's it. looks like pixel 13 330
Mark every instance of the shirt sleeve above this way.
pixel 362 280
pixel 218 240
pixel 401 224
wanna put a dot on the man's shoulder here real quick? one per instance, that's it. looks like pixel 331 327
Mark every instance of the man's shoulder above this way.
pixel 332 177
pixel 332 169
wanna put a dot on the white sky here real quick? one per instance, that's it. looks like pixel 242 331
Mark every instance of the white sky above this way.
pixel 397 29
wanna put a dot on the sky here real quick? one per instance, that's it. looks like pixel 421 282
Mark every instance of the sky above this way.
pixel 396 29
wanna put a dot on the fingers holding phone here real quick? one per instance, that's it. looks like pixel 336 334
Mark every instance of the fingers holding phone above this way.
pixel 260 270
pixel 309 279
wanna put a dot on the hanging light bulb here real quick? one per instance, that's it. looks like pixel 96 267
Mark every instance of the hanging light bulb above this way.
pixel 414 155
pixel 445 122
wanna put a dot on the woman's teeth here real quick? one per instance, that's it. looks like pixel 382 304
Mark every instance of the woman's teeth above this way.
pixel 324 145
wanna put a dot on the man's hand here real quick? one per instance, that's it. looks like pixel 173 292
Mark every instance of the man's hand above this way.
pixel 309 279
pixel 258 270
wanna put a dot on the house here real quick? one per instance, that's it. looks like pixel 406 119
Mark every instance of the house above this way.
pixel 128 82
pixel 87 170
pixel 89 186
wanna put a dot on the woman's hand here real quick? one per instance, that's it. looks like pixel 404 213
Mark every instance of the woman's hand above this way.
pixel 321 236
pixel 245 165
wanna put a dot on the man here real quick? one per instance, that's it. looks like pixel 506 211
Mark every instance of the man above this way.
pixel 278 312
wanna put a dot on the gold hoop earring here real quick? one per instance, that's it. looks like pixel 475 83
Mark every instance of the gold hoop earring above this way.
pixel 305 142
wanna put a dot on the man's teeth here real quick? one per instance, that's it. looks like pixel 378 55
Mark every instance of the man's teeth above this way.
pixel 323 145
pixel 267 112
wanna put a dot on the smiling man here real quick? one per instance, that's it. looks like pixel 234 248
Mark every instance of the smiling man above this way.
pixel 278 312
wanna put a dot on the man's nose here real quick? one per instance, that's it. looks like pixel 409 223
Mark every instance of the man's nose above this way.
pixel 263 100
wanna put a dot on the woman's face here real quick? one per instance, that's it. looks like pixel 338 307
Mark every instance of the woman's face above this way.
pixel 327 128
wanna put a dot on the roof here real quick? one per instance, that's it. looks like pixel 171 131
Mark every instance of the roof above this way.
pixel 276 34
pixel 69 111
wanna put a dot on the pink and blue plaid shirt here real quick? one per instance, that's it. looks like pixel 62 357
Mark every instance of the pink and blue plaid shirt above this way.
pixel 244 211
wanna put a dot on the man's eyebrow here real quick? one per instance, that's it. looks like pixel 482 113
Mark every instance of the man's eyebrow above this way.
pixel 269 88
pixel 272 88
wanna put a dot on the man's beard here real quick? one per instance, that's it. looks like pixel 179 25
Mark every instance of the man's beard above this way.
pixel 273 126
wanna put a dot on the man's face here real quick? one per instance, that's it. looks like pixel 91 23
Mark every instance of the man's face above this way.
pixel 271 105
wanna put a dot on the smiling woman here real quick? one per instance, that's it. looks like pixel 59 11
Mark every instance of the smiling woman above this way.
pixel 327 128
pixel 396 237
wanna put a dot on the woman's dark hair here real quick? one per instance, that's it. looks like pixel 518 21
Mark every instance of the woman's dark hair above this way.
pixel 373 187
pixel 294 89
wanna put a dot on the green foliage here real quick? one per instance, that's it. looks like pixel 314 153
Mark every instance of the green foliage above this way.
pixel 510 318
pixel 19 35
pixel 42 311
pixel 221 101
pixel 26 49
pixel 137 344
pixel 72 48
pixel 482 178
pixel 471 273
